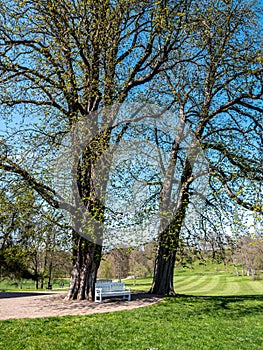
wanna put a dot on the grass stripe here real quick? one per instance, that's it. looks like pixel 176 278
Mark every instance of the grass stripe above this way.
pixel 208 287
pixel 180 281
pixel 217 285
pixel 190 287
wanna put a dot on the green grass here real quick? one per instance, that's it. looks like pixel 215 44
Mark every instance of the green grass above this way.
pixel 29 285
pixel 218 284
pixel 213 311
pixel 182 323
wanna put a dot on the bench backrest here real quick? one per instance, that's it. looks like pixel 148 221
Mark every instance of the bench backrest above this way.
pixel 104 281
pixel 110 286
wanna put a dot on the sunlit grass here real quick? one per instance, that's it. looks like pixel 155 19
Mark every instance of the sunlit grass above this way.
pixel 206 285
pixel 213 310
pixel 184 323
pixel 29 285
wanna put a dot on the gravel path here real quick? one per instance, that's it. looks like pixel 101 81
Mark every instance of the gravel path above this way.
pixel 33 305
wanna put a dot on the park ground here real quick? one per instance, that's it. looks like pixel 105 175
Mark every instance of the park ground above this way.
pixel 212 310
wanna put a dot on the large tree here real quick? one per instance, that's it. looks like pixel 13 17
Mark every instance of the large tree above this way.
pixel 219 95
pixel 60 62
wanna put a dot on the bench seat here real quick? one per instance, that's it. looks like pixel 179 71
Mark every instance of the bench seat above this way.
pixel 111 289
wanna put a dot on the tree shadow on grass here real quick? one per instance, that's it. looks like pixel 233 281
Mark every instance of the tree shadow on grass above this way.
pixel 236 306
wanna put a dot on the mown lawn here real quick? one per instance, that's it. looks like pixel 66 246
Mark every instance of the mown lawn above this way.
pixel 223 312
pixel 207 284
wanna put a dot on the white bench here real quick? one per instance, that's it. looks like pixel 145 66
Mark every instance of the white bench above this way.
pixel 111 289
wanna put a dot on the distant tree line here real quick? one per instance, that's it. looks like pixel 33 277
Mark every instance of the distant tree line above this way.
pixel 244 255
pixel 32 244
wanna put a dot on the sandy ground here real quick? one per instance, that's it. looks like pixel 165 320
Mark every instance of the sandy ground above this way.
pixel 33 305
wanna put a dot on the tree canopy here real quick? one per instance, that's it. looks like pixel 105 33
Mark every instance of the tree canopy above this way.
pixel 62 62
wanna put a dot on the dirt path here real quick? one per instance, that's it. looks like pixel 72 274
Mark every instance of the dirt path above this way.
pixel 33 305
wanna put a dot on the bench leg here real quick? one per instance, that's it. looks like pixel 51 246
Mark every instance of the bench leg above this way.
pixel 98 298
pixel 127 296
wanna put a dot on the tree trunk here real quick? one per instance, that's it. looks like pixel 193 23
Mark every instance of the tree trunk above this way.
pixel 50 272
pixel 86 262
pixel 243 270
pixel 172 214
pixel 36 278
pixel 90 176
pixel 168 241
pixel 163 272
pixel 236 270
